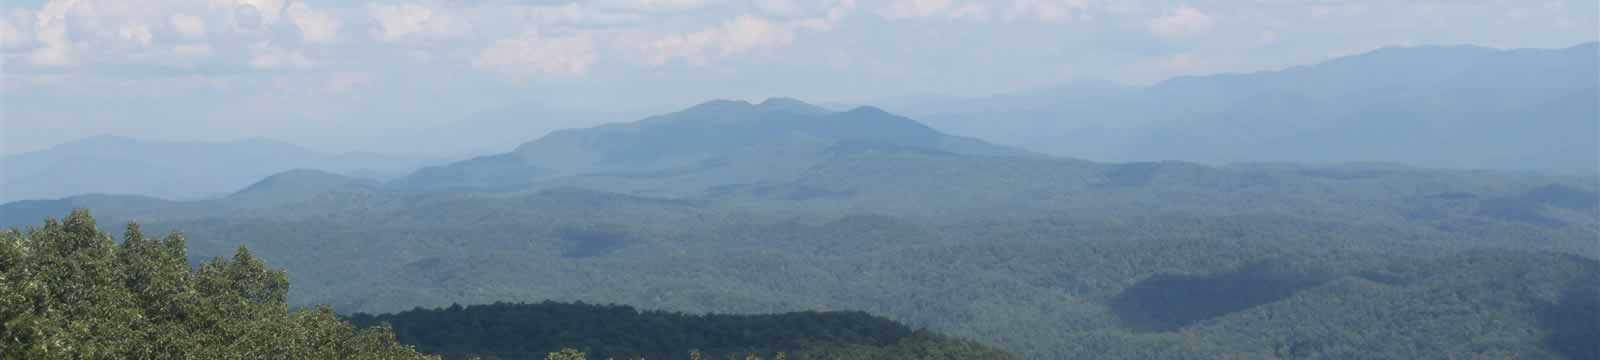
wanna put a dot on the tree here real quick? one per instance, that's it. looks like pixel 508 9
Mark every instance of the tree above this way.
pixel 69 291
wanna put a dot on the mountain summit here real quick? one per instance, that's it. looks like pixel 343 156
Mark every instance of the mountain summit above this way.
pixel 714 143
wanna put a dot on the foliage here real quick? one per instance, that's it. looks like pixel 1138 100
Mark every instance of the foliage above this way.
pixel 520 331
pixel 1049 258
pixel 68 291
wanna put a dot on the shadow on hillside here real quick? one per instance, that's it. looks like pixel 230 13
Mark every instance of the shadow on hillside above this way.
pixel 590 241
pixel 1168 302
pixel 1572 324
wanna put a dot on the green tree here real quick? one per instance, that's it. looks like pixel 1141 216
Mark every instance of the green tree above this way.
pixel 69 291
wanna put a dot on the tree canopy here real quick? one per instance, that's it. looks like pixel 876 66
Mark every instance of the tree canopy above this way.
pixel 70 291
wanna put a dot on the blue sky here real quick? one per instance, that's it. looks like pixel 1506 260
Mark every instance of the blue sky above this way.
pixel 326 72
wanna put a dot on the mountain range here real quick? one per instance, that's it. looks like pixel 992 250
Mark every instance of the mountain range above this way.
pixel 779 206
pixel 734 207
pixel 173 170
pixel 1455 107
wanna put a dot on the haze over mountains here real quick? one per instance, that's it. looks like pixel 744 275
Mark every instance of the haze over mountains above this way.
pixel 780 206
pixel 716 143
pixel 1456 107
pixel 739 207
pixel 173 170
pixel 800 179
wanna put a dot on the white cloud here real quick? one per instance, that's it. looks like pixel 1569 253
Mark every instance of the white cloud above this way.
pixel 532 57
pixel 802 9
pixel 55 11
pixel 192 51
pixel 779 8
pixel 739 35
pixel 269 57
pixel 1045 11
pixel 269 10
pixel 577 14
pixel 1050 11
pixel 748 32
pixel 396 21
pixel 56 51
pixel 189 26
pixel 344 82
pixel 955 9
pixel 314 26
pixel 1268 37
pixel 651 5
pixel 1185 22
pixel 689 47
pixel 15 32
pixel 136 34
pixel 899 9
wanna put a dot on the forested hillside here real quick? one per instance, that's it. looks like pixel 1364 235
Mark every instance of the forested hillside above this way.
pixel 71 291
pixel 529 331
pixel 1044 257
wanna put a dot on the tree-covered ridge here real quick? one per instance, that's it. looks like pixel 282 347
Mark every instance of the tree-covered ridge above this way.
pixel 1046 257
pixel 69 291
pixel 529 331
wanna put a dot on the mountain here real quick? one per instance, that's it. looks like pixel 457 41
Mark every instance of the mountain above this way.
pixel 169 170
pixel 296 186
pixel 1458 107
pixel 715 143
pixel 732 207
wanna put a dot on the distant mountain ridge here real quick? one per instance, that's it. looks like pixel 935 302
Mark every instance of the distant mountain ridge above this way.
pixel 1457 107
pixel 715 143
pixel 298 185
pixel 732 207
pixel 170 169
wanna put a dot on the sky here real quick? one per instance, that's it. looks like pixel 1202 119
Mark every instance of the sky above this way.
pixel 348 75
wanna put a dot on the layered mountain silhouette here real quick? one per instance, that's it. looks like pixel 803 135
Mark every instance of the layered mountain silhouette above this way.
pixel 298 185
pixel 716 143
pixel 733 207
pixel 1460 107
pixel 171 170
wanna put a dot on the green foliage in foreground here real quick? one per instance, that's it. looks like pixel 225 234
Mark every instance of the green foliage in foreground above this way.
pixel 529 331
pixel 68 291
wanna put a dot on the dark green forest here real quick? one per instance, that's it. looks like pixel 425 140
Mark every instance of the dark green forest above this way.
pixel 1466 279
pixel 71 291
pixel 528 331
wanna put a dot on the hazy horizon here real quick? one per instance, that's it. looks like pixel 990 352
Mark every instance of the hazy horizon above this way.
pixel 793 179
pixel 342 77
